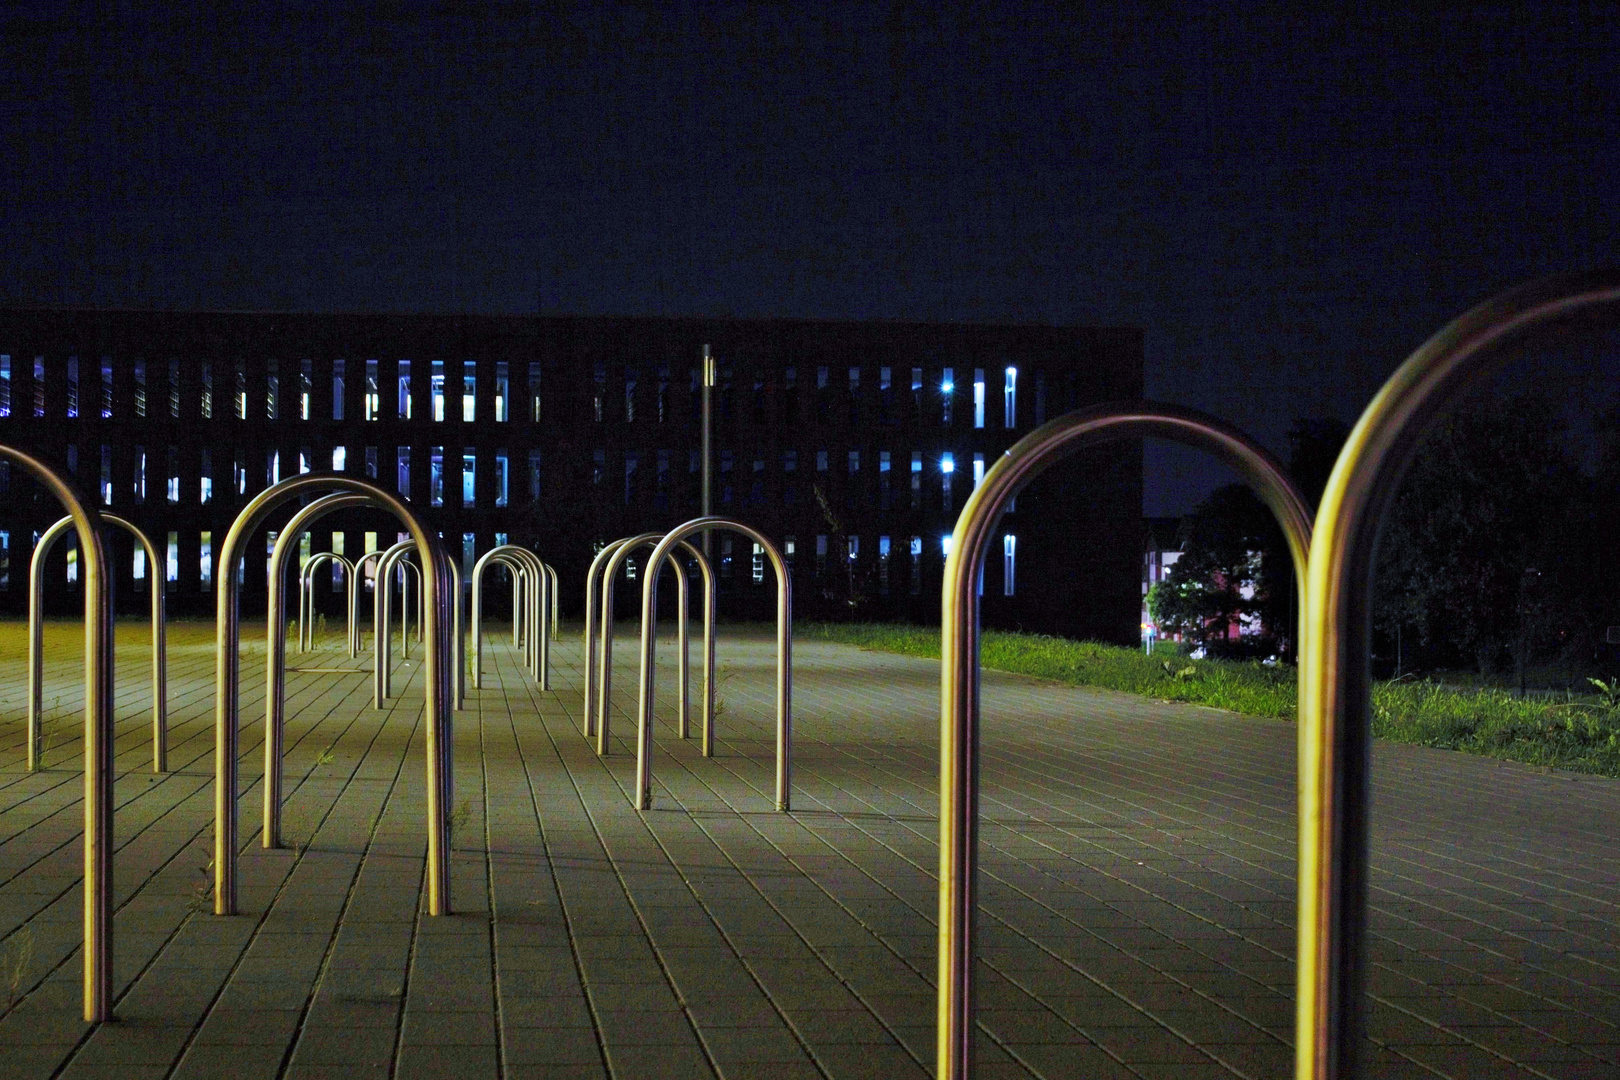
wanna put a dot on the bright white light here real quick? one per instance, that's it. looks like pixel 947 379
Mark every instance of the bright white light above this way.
pixel 947 464
pixel 945 544
pixel 946 387
pixel 1012 373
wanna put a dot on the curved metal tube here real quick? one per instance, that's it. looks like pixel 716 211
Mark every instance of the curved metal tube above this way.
pixel 649 639
pixel 527 574
pixel 357 585
pixel 683 674
pixel 556 592
pixel 98 733
pixel 516 571
pixel 601 690
pixel 36 644
pixel 439 764
pixel 1335 684
pixel 959 656
pixel 306 595
pixel 275 649
pixel 382 617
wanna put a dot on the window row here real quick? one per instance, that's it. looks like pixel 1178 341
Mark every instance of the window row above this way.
pixel 65 387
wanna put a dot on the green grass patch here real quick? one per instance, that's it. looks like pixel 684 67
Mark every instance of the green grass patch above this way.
pixel 1578 732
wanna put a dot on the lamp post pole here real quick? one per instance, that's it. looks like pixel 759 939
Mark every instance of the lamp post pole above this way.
pixel 708 441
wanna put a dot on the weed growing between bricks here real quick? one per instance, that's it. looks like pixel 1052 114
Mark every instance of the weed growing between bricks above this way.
pixel 1580 732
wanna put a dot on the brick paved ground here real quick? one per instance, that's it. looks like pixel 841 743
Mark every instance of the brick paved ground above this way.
pixel 1136 922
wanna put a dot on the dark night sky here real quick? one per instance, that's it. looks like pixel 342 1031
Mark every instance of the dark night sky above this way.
pixel 1288 204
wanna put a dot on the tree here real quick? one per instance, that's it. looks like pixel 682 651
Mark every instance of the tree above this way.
pixel 1481 551
pixel 1224 577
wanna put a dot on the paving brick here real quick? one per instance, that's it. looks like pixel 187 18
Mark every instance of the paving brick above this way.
pixel 1136 901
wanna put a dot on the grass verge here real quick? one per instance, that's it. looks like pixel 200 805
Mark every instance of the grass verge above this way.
pixel 1579 732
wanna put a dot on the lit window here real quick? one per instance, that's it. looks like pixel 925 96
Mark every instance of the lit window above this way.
pixel 1009 398
pixel 73 557
pixel 106 388
pixel 759 564
pixel 73 386
pixel 945 544
pixel 373 392
pixel 436 389
pixel 534 391
pixel 403 470
pixel 140 563
pixel 469 476
pixel 337 389
pixel 534 474
pixel 207 478
pixel 1009 553
pixel 306 383
pixel 501 393
pixel 272 391
pixel 947 463
pixel 205 560
pixel 978 397
pixel 172 474
pixel 978 470
pixel 172 574
pixel 106 475
pixel 947 394
pixel 500 477
pixel 469 392
pixel 404 390
pixel 436 475
pixel 5 385
pixel 340 458
pixel 371 462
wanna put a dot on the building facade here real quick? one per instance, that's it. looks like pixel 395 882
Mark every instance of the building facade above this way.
pixel 853 445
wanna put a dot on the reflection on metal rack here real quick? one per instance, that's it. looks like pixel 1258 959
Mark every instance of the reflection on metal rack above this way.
pixel 306 597
pixel 98 732
pixel 959 657
pixel 1335 685
pixel 437 574
pixel 275 651
pixel 36 634
pixel 620 551
pixel 649 638
pixel 531 594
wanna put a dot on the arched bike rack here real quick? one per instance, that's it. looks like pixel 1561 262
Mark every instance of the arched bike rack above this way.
pixel 275 650
pixel 604 679
pixel 98 733
pixel 649 639
pixel 357 585
pixel 959 657
pixel 382 619
pixel 1335 683
pixel 531 591
pixel 306 596
pixel 36 642
pixel 438 684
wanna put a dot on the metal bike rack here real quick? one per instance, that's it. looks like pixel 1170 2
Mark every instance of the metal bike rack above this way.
pixel 306 596
pixel 604 679
pixel 382 618
pixel 275 651
pixel 357 585
pixel 959 657
pixel 98 733
pixel 438 683
pixel 36 638
pixel 1335 684
pixel 649 639
pixel 531 591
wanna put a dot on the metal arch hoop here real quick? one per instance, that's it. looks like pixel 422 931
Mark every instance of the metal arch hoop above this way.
pixel 525 566
pixel 36 634
pixel 357 584
pixel 306 595
pixel 1335 721
pixel 959 657
pixel 683 665
pixel 275 650
pixel 784 655
pixel 438 688
pixel 519 573
pixel 382 618
pixel 98 734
